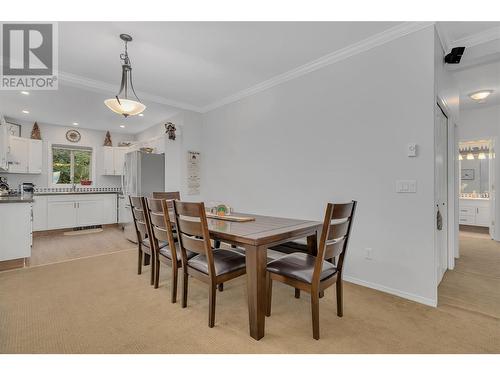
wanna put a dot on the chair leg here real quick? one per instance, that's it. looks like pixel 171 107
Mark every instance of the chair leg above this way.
pixel 175 273
pixel 315 314
pixel 340 302
pixel 139 263
pixel 269 294
pixel 157 273
pixel 153 270
pixel 211 311
pixel 185 278
pixel 297 293
pixel 221 287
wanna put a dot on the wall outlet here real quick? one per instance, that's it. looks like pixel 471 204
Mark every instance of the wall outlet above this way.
pixel 369 253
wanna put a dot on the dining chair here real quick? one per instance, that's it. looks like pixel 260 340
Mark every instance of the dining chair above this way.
pixel 141 230
pixel 163 240
pixel 169 195
pixel 313 274
pixel 211 266
pixel 175 195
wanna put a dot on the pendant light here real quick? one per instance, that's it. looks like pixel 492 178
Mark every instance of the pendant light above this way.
pixel 481 156
pixel 125 106
pixel 470 156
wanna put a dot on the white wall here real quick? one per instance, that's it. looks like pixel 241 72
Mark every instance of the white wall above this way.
pixel 188 125
pixel 480 123
pixel 336 134
pixel 53 134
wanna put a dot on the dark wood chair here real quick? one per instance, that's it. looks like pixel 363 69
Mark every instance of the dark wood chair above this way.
pixel 161 233
pixel 211 266
pixel 313 274
pixel 143 244
pixel 169 195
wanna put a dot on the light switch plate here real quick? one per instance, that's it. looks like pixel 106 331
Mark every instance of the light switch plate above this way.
pixel 406 186
pixel 412 149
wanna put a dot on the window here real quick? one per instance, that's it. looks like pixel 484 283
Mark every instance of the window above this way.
pixel 71 165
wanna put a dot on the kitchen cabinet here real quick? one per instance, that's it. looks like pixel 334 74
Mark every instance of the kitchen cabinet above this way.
pixel 78 210
pixel 39 213
pixel 113 158
pixel 4 144
pixel 61 214
pixel 15 231
pixel 474 212
pixel 24 155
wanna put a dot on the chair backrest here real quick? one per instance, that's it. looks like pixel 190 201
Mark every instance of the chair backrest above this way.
pixel 138 215
pixel 192 229
pixel 334 235
pixel 160 224
pixel 169 195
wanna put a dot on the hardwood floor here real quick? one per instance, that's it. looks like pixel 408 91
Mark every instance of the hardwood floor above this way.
pixel 54 247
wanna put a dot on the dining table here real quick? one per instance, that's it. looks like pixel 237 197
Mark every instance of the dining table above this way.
pixel 256 236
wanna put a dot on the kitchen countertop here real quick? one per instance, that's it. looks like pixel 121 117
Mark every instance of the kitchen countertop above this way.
pixel 74 192
pixel 15 199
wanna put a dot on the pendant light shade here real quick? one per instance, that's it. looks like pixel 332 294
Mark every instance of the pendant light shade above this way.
pixel 123 105
pixel 470 156
pixel 481 156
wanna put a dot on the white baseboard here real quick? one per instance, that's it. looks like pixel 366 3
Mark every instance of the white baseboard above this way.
pixel 396 292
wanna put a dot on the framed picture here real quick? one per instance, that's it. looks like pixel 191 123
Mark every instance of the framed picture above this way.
pixel 467 174
pixel 14 129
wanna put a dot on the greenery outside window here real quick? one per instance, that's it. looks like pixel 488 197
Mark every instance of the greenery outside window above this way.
pixel 71 165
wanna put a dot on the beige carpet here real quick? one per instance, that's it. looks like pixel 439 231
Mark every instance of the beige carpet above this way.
pixel 99 305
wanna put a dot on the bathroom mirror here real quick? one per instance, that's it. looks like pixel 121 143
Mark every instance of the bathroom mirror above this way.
pixel 474 168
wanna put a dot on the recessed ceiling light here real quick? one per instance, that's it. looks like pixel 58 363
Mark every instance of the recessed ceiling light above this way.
pixel 76 124
pixel 141 114
pixel 122 126
pixel 480 95
pixel 25 111
pixel 25 92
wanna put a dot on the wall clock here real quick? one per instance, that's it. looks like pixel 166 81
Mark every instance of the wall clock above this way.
pixel 73 136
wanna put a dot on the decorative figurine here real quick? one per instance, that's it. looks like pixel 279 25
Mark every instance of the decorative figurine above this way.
pixel 35 132
pixel 170 127
pixel 107 140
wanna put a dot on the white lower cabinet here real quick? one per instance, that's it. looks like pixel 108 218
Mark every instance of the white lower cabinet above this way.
pixel 39 213
pixel 475 212
pixel 78 210
pixel 15 231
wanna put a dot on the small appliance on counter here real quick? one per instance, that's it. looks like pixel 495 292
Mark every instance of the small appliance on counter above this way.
pixel 4 187
pixel 26 189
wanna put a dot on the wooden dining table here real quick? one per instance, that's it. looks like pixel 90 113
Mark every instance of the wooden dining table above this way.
pixel 256 237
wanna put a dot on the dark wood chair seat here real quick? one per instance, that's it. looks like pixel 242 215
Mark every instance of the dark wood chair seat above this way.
pixel 300 266
pixel 225 261
pixel 165 252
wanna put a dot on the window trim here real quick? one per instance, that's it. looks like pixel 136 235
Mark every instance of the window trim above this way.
pixel 92 173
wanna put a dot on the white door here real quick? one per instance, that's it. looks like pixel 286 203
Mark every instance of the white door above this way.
pixel 61 214
pixel 35 156
pixel 441 191
pixel 90 212
pixel 18 154
pixel 492 184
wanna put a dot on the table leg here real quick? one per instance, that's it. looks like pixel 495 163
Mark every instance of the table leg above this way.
pixel 256 262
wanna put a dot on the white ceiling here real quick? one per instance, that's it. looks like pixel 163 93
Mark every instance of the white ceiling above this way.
pixel 192 65
pixel 480 65
pixel 176 65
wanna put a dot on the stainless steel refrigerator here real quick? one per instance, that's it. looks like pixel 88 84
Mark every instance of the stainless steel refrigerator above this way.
pixel 143 173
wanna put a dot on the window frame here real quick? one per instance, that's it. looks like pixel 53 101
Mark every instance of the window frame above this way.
pixel 72 148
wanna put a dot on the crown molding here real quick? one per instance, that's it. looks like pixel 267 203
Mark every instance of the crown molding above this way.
pixel 77 81
pixel 339 55
pixel 479 38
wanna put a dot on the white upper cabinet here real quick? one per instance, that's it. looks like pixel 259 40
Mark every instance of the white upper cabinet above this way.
pixel 113 158
pixel 4 144
pixel 24 155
